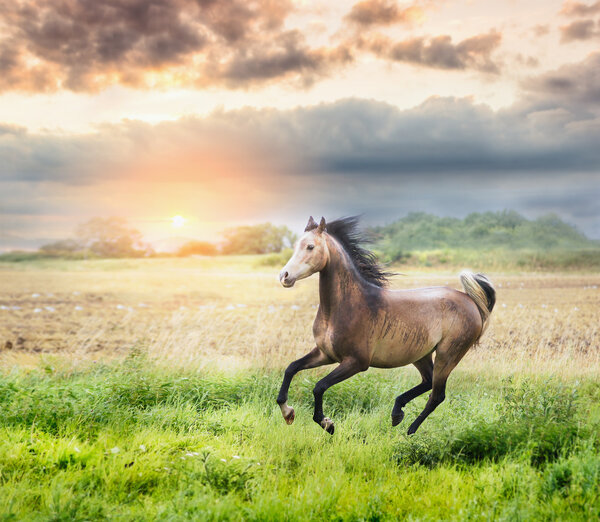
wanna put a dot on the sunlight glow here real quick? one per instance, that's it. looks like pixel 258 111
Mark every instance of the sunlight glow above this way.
pixel 178 221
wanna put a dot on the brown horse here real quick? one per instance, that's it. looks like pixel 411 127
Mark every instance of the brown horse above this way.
pixel 360 323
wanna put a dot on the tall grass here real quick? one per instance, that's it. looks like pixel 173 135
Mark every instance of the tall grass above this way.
pixel 135 441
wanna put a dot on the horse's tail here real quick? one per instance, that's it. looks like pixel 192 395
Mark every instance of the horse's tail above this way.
pixel 479 288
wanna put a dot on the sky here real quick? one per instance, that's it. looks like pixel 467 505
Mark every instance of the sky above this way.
pixel 230 112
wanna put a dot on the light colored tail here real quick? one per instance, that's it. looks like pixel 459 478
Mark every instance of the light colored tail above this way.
pixel 479 288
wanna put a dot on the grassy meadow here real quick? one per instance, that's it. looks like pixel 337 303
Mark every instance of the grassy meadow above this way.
pixel 145 389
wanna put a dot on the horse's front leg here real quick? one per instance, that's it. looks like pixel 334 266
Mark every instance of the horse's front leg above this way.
pixel 312 359
pixel 347 368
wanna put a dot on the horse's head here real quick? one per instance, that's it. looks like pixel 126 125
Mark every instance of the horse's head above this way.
pixel 310 254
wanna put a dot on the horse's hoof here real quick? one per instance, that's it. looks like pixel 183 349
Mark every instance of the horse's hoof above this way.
pixel 397 418
pixel 290 416
pixel 327 425
pixel 412 430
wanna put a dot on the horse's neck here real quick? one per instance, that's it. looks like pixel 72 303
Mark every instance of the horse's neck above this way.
pixel 338 280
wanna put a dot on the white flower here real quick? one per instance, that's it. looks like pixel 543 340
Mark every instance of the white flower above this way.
pixel 236 457
pixel 142 447
pixel 79 307
pixel 37 310
pixel 77 450
pixel 114 450
pixel 35 296
pixel 50 308
pixel 223 460
pixel 295 307
pixel 120 307
pixel 230 307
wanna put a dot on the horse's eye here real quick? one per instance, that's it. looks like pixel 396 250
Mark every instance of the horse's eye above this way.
pixel 310 247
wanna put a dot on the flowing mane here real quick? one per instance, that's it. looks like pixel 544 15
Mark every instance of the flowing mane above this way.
pixel 348 233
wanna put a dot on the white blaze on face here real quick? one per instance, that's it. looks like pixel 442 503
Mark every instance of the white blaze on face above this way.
pixel 306 260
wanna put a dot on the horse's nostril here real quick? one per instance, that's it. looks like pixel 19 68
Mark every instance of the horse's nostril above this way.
pixel 285 275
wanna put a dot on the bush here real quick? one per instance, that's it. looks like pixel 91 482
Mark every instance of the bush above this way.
pixel 199 248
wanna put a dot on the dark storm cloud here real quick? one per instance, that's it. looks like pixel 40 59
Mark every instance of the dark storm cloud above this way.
pixel 439 51
pixel 580 30
pixel 382 12
pixel 580 9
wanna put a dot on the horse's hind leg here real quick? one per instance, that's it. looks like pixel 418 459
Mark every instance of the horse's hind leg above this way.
pixel 447 356
pixel 425 367
pixel 312 359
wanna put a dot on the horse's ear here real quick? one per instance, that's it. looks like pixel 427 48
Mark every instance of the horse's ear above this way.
pixel 322 225
pixel 312 224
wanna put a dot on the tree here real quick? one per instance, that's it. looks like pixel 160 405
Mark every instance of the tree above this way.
pixel 111 237
pixel 258 239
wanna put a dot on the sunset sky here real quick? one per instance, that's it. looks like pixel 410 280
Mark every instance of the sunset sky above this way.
pixel 229 112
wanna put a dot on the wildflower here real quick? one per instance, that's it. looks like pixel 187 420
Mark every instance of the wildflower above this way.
pixel 295 307
pixel 50 308
pixel 142 447
pixel 35 296
pixel 37 310
pixel 223 460
pixel 120 307
pixel 114 450
pixel 79 307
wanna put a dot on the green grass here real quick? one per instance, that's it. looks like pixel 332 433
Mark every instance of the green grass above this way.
pixel 133 441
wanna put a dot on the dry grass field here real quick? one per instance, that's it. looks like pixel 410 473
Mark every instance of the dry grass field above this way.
pixel 232 313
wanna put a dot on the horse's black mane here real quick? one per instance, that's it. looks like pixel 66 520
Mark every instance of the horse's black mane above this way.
pixel 348 233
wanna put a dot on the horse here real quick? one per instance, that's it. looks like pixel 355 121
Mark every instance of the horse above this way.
pixel 360 323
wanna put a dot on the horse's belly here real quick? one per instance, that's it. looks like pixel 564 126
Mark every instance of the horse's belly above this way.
pixel 392 356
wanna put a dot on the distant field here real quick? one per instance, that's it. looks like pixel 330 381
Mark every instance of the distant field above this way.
pixel 232 310
pixel 129 388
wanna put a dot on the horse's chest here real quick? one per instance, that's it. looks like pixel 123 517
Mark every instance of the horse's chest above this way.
pixel 324 338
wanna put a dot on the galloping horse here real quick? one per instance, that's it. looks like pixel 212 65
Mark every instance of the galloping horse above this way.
pixel 361 324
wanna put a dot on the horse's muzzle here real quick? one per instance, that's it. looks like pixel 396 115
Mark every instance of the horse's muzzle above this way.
pixel 286 280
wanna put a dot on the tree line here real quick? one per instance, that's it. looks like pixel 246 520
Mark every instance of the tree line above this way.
pixel 113 237
pixel 395 242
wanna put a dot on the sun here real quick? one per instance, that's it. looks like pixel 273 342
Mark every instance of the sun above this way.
pixel 178 221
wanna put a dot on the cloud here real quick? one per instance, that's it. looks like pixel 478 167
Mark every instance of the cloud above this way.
pixel 571 8
pixel 580 30
pixel 384 12
pixel 576 86
pixel 87 45
pixel 438 51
